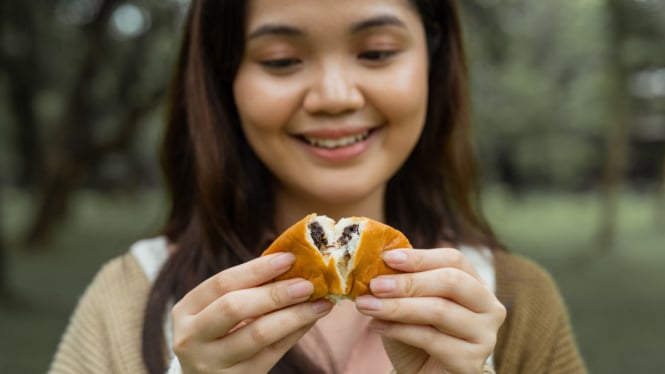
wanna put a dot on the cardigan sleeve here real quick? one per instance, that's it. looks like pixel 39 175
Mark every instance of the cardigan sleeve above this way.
pixel 103 334
pixel 537 336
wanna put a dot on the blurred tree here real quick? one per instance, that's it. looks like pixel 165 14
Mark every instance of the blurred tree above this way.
pixel 537 81
pixel 660 203
pixel 482 17
pixel 554 109
pixel 635 31
pixel 616 148
pixel 21 63
pixel 4 276
pixel 83 77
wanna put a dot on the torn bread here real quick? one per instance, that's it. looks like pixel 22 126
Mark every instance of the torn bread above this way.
pixel 339 258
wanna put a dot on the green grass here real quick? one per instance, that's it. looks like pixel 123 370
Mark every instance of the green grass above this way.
pixel 47 281
pixel 615 300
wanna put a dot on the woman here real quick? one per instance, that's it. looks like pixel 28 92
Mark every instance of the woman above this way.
pixel 281 108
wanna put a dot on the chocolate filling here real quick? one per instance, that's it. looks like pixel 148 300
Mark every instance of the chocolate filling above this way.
pixel 347 234
pixel 318 236
pixel 321 243
pixel 343 263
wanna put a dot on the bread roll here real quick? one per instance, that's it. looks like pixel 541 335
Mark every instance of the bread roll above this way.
pixel 339 258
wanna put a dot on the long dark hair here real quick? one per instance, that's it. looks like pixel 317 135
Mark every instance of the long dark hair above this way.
pixel 217 185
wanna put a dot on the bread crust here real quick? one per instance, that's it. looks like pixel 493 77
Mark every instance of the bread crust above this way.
pixel 376 237
pixel 310 264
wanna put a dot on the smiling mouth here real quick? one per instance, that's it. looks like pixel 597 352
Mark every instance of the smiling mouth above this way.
pixel 341 142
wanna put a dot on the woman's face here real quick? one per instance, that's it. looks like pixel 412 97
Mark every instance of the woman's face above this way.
pixel 332 94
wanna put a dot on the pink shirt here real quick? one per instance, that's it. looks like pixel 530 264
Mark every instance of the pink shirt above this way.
pixel 344 336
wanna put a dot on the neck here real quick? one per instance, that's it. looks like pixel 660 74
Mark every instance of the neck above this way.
pixel 290 207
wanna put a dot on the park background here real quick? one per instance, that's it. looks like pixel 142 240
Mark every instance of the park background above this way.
pixel 569 105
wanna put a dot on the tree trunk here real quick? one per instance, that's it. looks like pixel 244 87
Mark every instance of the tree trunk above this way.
pixel 29 146
pixel 71 151
pixel 660 200
pixel 55 195
pixel 75 152
pixel 616 137
pixel 66 162
pixel 5 291
pixel 23 82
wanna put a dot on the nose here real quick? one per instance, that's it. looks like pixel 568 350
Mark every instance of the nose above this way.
pixel 333 90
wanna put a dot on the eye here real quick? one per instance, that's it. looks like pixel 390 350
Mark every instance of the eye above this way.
pixel 377 55
pixel 281 63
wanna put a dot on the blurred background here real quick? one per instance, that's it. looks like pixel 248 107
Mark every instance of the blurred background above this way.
pixel 569 102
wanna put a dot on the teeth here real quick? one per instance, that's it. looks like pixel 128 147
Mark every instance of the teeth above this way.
pixel 337 143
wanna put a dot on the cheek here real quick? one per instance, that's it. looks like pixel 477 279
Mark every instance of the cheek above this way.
pixel 403 97
pixel 263 104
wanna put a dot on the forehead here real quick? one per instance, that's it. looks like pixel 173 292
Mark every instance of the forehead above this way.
pixel 325 14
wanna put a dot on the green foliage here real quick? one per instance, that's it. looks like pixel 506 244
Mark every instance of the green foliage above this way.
pixel 541 96
pixel 541 81
pixel 86 87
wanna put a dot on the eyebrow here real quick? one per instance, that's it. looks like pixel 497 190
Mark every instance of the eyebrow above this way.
pixel 379 21
pixel 286 30
pixel 275 29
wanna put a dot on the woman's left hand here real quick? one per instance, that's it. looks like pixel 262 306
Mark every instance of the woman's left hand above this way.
pixel 436 317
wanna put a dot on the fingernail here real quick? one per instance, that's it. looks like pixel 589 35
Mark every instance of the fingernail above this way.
pixel 383 284
pixel 321 306
pixel 300 289
pixel 394 257
pixel 283 261
pixel 368 303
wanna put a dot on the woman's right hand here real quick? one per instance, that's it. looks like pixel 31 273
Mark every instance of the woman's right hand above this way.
pixel 239 322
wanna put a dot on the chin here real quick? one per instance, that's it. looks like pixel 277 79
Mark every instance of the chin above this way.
pixel 327 193
pixel 347 196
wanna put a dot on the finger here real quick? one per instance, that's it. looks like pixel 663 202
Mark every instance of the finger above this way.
pixel 453 354
pixel 444 315
pixel 225 313
pixel 265 332
pixel 266 359
pixel 428 259
pixel 250 274
pixel 449 283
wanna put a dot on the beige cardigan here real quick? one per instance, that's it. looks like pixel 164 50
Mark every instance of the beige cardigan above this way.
pixel 104 333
